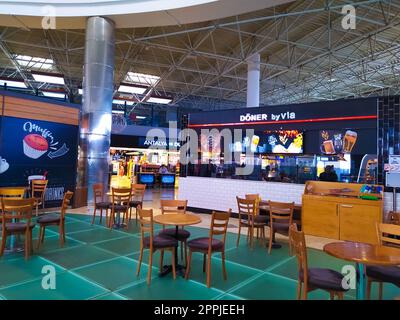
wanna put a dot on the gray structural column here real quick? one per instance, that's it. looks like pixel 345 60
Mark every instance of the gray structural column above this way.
pixel 98 87
pixel 253 81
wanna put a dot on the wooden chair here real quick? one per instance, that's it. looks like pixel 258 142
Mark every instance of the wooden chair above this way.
pixel 38 193
pixel 120 203
pixel 280 219
pixel 247 210
pixel 99 203
pixel 176 207
pixel 207 246
pixel 12 212
pixel 55 220
pixel 258 217
pixel 12 193
pixel 313 278
pixel 153 243
pixel 388 235
pixel 138 191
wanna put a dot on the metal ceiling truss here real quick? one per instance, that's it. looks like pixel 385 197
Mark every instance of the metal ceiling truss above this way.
pixel 306 55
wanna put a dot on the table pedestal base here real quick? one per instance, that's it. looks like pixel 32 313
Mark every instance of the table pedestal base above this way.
pixel 180 270
pixel 361 281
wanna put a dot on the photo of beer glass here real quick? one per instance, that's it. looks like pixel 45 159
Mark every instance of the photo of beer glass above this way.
pixel 327 147
pixel 350 139
pixel 254 143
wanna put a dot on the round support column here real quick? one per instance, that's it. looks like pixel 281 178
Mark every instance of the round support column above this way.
pixel 253 81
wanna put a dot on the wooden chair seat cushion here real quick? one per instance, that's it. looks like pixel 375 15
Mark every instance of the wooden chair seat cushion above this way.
pixel 247 223
pixel 49 218
pixel 18 226
pixel 326 279
pixel 281 227
pixel 389 274
pixel 160 242
pixel 202 244
pixel 135 203
pixel 103 205
pixel 120 207
pixel 182 234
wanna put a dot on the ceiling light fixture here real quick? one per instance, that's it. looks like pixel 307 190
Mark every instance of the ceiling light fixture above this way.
pixel 126 88
pixel 159 100
pixel 48 77
pixel 13 83
pixel 122 102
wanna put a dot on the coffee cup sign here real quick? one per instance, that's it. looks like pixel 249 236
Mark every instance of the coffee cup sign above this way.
pixel 3 165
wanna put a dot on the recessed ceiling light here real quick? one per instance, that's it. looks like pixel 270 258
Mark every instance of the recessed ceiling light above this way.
pixel 141 78
pixel 48 78
pixel 80 91
pixel 34 62
pixel 13 83
pixel 131 89
pixel 122 102
pixel 54 94
pixel 118 112
pixel 159 100
pixel 140 117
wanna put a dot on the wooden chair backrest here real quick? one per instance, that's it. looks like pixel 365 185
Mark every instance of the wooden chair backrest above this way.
pixel 173 206
pixel 121 195
pixel 146 223
pixel 246 208
pixel 66 201
pixel 255 197
pixel 281 211
pixel 219 226
pixel 16 209
pixel 298 244
pixel 138 191
pixel 39 188
pixel 12 193
pixel 388 234
pixel 98 192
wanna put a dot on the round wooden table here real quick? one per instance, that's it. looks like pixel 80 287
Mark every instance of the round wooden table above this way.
pixel 177 220
pixel 363 254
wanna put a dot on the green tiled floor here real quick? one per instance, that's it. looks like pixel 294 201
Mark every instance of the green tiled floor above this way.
pixel 100 264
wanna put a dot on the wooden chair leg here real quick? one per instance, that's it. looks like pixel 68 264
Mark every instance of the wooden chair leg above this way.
pixel 101 216
pixel 61 232
pixel 140 262
pixel 270 240
pixel 204 262
pixel 27 250
pixel 94 214
pixel 42 237
pixel 299 285
pixel 380 290
pixel 39 237
pixel 224 266
pixel 3 243
pixel 181 250
pixel 136 215
pixel 188 265
pixel 369 286
pixel 150 267
pixel 238 238
pixel 332 295
pixel 161 260
pixel 185 249
pixel 340 295
pixel 209 270
pixel 173 263
pixel 37 210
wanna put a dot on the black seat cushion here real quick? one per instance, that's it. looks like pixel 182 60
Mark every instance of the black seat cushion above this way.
pixel 103 205
pixel 384 274
pixel 135 203
pixel 50 218
pixel 181 236
pixel 281 227
pixel 202 244
pixel 120 207
pixel 160 242
pixel 326 279
pixel 18 226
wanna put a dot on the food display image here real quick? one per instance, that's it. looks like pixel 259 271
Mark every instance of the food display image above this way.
pixel 285 141
pixel 35 146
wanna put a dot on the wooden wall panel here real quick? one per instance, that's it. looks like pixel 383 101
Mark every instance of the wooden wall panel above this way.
pixel 26 108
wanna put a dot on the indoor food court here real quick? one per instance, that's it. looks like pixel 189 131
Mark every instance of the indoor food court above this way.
pixel 200 150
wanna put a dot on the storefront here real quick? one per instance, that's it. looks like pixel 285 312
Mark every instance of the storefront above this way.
pixel 153 162
pixel 288 144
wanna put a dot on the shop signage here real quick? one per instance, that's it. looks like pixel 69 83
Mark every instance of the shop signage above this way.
pixel 161 143
pixel 249 117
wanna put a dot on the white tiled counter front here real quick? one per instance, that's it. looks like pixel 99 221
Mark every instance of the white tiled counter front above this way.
pixel 220 194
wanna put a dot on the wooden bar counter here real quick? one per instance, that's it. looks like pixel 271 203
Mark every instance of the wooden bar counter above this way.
pixel 336 211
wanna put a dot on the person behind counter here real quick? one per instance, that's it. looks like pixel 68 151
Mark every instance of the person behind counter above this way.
pixel 163 169
pixel 329 174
